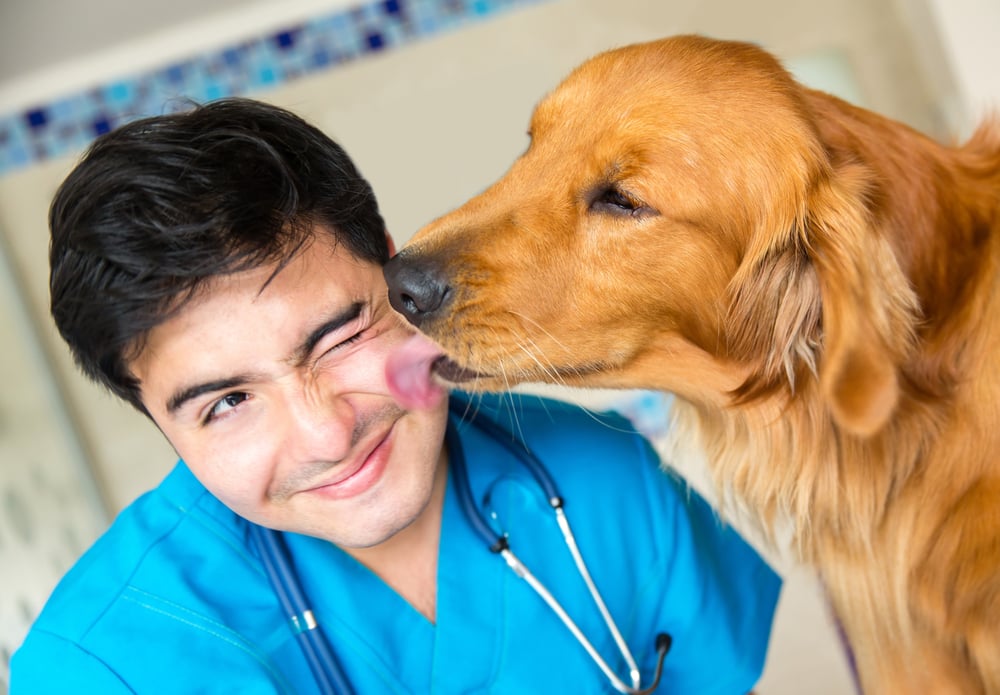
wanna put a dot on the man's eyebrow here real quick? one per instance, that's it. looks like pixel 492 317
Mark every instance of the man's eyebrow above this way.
pixel 301 353
pixel 334 323
pixel 191 392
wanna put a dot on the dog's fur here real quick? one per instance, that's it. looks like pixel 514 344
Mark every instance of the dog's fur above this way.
pixel 819 285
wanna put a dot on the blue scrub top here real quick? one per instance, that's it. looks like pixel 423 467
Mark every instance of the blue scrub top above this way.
pixel 173 598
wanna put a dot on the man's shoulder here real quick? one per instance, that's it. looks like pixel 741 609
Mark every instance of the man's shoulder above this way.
pixel 173 590
pixel 136 552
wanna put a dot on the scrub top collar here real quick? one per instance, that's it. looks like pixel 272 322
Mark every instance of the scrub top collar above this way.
pixel 464 647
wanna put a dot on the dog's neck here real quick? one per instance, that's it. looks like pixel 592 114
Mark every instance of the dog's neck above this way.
pixel 785 462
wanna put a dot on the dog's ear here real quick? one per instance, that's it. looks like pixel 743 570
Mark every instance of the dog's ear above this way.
pixel 773 319
pixel 868 307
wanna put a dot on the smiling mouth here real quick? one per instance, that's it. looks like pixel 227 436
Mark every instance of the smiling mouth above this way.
pixel 341 479
pixel 357 467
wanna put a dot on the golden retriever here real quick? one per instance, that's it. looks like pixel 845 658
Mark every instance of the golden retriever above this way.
pixel 818 284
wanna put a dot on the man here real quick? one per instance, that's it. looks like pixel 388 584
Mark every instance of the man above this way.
pixel 221 271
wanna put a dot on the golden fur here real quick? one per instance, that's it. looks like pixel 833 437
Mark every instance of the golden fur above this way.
pixel 819 285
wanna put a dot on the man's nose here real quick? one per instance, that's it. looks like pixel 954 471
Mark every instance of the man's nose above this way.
pixel 319 427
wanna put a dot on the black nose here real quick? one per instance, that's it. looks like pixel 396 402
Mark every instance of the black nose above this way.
pixel 416 287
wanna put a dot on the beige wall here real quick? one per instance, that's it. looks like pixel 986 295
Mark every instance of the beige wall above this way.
pixel 967 32
pixel 433 123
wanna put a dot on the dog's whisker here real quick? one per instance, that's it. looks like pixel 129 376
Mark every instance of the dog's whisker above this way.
pixel 548 334
pixel 549 370
pixel 512 409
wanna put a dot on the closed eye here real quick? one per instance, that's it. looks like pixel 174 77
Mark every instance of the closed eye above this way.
pixel 342 344
pixel 616 201
pixel 353 339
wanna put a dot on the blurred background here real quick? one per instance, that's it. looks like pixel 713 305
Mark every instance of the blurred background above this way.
pixel 432 99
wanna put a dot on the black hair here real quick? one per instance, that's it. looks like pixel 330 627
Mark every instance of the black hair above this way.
pixel 160 206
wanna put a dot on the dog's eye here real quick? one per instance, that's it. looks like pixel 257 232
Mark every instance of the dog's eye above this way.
pixel 614 201
pixel 614 198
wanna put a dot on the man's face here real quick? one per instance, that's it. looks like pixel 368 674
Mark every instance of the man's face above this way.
pixel 273 392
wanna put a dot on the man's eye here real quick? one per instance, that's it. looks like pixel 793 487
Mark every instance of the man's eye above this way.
pixel 353 339
pixel 341 345
pixel 225 404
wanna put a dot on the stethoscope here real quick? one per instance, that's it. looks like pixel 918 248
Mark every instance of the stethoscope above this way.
pixel 319 654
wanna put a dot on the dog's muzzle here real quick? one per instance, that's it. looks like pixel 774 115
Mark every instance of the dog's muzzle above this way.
pixel 417 288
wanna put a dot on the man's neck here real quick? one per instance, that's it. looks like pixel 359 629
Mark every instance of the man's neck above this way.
pixel 407 562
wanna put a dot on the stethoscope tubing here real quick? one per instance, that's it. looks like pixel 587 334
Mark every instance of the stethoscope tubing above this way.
pixel 327 671
pixel 499 543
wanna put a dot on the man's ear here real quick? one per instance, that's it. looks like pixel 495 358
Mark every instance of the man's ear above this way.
pixel 392 244
pixel 869 309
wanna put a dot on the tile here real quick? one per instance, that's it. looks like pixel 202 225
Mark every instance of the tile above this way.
pixel 324 42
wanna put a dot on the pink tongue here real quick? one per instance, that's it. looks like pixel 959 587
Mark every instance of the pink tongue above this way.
pixel 408 374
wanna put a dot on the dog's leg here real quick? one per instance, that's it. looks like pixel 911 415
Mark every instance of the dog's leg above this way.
pixel 984 642
pixel 956 589
pixel 859 595
pixel 893 655
pixel 939 668
pixel 922 669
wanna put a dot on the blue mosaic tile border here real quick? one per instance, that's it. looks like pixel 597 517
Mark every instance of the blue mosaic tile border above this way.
pixel 68 124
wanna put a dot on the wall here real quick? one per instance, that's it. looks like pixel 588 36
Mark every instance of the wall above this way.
pixel 968 31
pixel 430 122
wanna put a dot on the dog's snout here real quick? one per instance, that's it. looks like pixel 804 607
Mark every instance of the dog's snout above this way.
pixel 417 288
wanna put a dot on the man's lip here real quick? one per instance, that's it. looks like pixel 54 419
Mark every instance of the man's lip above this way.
pixel 344 474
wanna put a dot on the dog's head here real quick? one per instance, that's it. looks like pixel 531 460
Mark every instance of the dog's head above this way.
pixel 678 223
